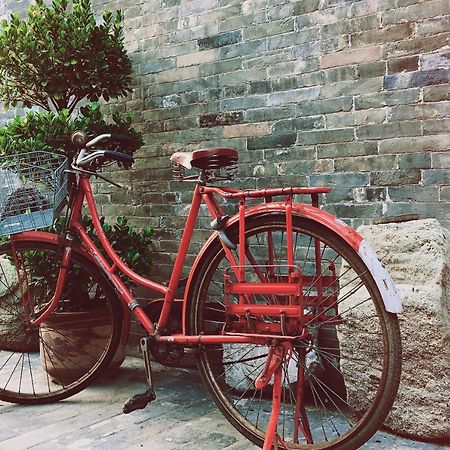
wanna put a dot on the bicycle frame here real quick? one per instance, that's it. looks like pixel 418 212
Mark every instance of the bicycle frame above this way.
pixel 279 341
pixel 207 195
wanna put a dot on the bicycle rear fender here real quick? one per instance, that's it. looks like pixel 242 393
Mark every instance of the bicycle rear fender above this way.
pixel 379 273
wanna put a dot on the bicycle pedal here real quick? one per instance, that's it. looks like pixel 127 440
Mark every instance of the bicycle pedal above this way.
pixel 139 401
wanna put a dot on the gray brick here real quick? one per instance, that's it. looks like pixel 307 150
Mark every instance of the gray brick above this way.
pixel 395 177
pixel 366 163
pixel 241 103
pixel 415 46
pixel 420 78
pixel 353 87
pixel 268 29
pixel 341 150
pixel 436 93
pixel 293 153
pixel 294 96
pixel 307 123
pixel 365 210
pixel 305 6
pixel 416 11
pixel 441 160
pixel 414 161
pixel 387 130
pixel 219 67
pixel 423 210
pixel 444 195
pixel 221 119
pixel 377 100
pixel 325 106
pixel 249 48
pixel 436 126
pixel 272 113
pixel 419 112
pixel 326 136
pixel 433 25
pixel 418 143
pixel 344 179
pixel 413 193
pixel 371 69
pixel 272 141
pixel 285 181
pixel 220 40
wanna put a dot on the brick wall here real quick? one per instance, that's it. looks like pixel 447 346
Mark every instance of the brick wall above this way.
pixel 351 94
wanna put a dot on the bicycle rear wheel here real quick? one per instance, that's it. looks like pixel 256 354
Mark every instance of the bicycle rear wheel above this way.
pixel 73 345
pixel 340 379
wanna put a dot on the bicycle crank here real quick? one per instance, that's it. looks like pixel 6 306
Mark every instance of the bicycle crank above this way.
pixel 140 401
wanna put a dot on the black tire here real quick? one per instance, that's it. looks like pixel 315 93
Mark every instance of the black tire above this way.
pixel 353 368
pixel 73 345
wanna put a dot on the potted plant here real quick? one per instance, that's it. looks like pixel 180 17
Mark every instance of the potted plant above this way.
pixel 56 59
pixel 80 312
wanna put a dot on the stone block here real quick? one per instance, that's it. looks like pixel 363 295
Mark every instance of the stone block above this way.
pixel 395 177
pixel 221 119
pixel 272 141
pixel 420 78
pixel 387 130
pixel 325 106
pixel 433 25
pixel 417 254
pixel 415 46
pixel 220 40
pixel 406 64
pixel 418 143
pixel 355 56
pixel 436 93
pixel 416 12
pixel 388 98
pixel 326 136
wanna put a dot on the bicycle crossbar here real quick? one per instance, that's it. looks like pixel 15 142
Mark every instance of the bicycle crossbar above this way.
pixel 228 338
pixel 264 288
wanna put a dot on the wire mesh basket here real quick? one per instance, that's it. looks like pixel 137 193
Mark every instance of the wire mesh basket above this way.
pixel 33 189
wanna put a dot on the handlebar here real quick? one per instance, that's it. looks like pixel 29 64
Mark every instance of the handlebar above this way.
pixel 80 140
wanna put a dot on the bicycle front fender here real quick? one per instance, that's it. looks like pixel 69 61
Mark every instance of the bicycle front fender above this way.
pixel 382 278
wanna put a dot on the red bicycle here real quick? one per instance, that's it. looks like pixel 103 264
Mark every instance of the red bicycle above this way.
pixel 291 315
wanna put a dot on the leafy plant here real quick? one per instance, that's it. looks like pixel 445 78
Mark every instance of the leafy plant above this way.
pixel 133 247
pixel 58 56
pixel 51 131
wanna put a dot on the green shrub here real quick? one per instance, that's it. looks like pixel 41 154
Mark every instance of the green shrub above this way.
pixel 57 56
pixel 133 247
pixel 51 131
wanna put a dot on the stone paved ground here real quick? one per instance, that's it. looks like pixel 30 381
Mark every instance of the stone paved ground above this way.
pixel 182 418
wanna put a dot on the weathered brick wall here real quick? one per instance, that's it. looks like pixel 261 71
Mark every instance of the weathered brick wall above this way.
pixel 351 94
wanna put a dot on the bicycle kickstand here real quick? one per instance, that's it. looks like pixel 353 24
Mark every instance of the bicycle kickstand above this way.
pixel 140 401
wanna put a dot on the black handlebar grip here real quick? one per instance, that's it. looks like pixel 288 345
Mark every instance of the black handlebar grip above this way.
pixel 118 156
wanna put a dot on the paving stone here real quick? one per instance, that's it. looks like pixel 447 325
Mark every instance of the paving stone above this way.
pixel 182 417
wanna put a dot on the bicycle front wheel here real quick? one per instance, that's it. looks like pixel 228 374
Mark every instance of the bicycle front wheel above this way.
pixel 340 379
pixel 71 346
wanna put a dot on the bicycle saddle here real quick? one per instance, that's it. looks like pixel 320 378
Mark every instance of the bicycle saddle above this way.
pixel 206 158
